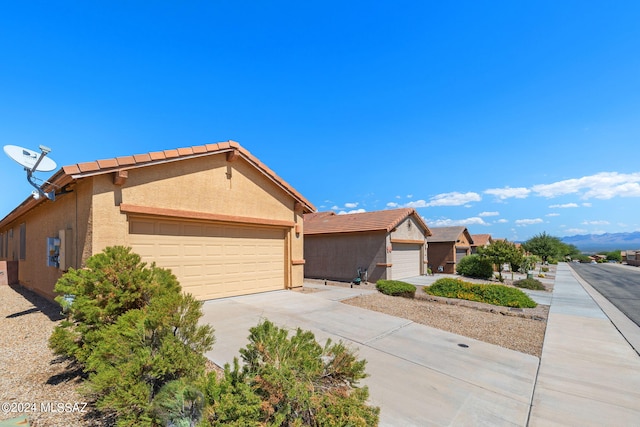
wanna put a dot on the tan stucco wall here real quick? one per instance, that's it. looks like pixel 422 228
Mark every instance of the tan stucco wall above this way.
pixel 410 230
pixel 207 185
pixel 338 256
pixel 198 185
pixel 69 212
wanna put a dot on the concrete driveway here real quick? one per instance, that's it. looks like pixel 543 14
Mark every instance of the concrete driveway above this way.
pixel 419 376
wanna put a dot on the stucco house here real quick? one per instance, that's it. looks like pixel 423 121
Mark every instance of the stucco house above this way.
pixel 480 241
pixel 389 244
pixel 220 219
pixel 447 246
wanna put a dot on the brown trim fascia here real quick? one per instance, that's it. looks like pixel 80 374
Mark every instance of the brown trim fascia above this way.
pixel 297 262
pixel 384 264
pixel 146 164
pixel 202 216
pixel 417 242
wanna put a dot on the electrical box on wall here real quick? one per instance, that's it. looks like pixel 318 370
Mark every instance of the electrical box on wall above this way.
pixel 53 251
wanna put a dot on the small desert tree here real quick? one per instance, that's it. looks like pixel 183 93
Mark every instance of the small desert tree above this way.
pixel 501 252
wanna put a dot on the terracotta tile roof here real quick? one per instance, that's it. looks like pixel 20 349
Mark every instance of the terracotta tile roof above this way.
pixel 329 222
pixel 481 239
pixel 446 234
pixel 70 173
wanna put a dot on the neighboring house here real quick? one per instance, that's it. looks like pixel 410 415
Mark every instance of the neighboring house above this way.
pixel 631 257
pixel 389 244
pixel 446 247
pixel 221 220
pixel 480 241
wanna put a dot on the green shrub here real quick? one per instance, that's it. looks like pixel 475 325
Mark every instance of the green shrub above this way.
pixel 490 294
pixel 533 284
pixel 144 351
pixel 396 288
pixel 544 269
pixel 475 266
pixel 290 381
pixel 114 282
pixel 137 337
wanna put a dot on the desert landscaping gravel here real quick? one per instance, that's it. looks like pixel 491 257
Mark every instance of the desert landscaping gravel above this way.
pixel 519 331
pixel 33 382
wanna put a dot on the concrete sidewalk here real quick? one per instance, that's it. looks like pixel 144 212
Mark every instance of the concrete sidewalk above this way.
pixel 419 376
pixel 589 373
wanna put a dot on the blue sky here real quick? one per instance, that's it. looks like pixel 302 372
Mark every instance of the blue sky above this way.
pixel 511 118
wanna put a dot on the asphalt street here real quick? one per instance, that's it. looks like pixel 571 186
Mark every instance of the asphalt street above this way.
pixel 619 284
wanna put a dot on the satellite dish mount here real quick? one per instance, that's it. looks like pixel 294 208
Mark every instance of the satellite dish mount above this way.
pixel 33 162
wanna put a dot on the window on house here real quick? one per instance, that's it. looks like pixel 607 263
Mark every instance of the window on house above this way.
pixel 23 241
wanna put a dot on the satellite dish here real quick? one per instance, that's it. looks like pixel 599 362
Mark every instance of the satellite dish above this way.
pixel 33 161
pixel 29 158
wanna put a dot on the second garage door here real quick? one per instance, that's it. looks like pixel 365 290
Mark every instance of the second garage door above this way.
pixel 405 260
pixel 212 260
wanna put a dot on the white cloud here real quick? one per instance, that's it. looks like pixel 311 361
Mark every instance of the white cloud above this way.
pixel 335 208
pixel 409 196
pixel 525 222
pixel 576 230
pixel 603 185
pixel 446 199
pixel 564 206
pixel 602 222
pixel 352 211
pixel 392 205
pixel 508 192
pixel 553 214
pixel 351 205
pixel 455 222
pixel 483 214
pixel 587 205
pixel 416 204
pixel 502 221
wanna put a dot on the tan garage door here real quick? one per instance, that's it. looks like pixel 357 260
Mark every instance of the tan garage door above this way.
pixel 405 260
pixel 213 261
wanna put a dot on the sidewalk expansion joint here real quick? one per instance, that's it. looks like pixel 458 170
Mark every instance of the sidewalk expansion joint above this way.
pixel 387 333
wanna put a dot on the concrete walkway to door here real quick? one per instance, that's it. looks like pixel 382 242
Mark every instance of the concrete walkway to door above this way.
pixel 419 376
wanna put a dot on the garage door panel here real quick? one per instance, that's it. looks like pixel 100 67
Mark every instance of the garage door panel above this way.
pixel 406 259
pixel 213 261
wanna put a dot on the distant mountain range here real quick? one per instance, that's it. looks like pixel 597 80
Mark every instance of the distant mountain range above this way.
pixel 604 242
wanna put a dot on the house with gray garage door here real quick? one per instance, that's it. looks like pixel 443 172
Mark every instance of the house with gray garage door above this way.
pixel 220 219
pixel 447 246
pixel 389 244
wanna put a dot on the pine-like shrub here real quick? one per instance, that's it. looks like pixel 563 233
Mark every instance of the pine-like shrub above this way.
pixel 137 337
pixel 144 351
pixel 291 381
pixel 490 294
pixel 113 282
pixel 396 288
pixel 475 266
